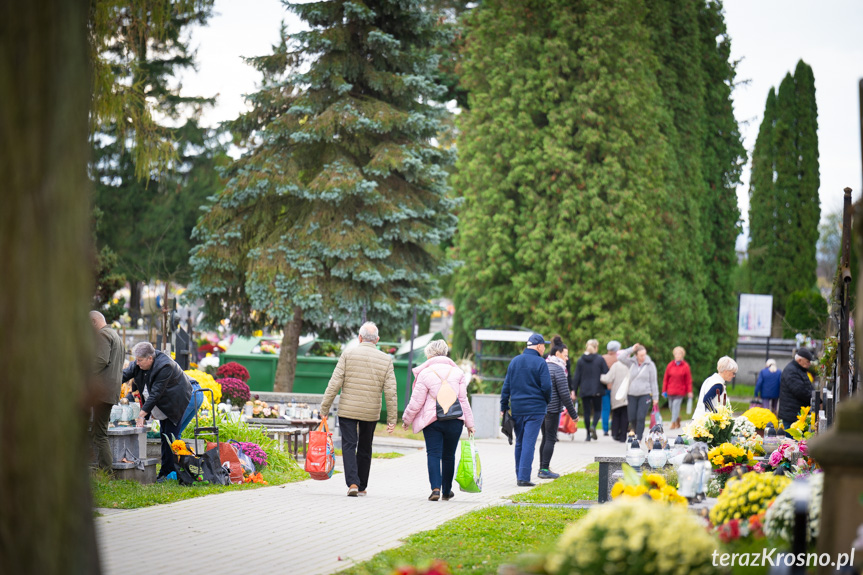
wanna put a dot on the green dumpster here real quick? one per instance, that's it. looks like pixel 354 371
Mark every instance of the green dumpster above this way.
pixel 314 372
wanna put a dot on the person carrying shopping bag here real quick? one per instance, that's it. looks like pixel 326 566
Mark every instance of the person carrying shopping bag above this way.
pixel 439 407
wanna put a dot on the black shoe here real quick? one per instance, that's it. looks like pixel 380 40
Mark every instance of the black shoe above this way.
pixel 525 484
pixel 162 479
pixel 547 474
pixel 435 495
pixel 448 496
pixel 605 434
pixel 588 437
pixel 593 433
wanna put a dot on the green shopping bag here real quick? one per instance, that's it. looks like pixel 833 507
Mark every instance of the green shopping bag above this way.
pixel 469 472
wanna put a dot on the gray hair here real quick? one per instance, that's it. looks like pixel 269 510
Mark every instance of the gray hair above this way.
pixel 725 363
pixel 97 315
pixel 144 349
pixel 771 364
pixel 436 348
pixel 369 332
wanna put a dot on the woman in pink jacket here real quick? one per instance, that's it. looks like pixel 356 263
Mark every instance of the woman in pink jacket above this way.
pixel 439 407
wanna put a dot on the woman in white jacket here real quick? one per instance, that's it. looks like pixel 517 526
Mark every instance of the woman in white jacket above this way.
pixel 726 369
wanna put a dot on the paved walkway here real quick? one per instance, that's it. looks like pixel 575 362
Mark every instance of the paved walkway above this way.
pixel 311 527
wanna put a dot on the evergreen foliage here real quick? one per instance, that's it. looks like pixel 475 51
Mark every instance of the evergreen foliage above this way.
pixel 784 205
pixel 599 143
pixel 149 202
pixel 340 202
pixel 806 312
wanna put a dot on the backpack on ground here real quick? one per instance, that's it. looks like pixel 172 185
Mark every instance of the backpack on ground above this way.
pixel 447 405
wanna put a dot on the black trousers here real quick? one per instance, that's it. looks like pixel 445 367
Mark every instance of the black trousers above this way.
pixel 357 437
pixel 638 408
pixel 549 438
pixel 168 429
pixel 99 435
pixel 592 407
pixel 619 419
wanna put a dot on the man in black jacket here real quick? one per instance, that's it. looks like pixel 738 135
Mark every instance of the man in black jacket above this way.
pixel 795 387
pixel 165 391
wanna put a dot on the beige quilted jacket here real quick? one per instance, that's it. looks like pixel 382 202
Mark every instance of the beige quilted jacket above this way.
pixel 362 374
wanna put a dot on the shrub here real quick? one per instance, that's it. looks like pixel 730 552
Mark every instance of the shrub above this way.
pixel 235 389
pixel 233 370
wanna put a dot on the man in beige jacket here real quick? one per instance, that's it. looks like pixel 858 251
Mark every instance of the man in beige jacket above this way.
pixel 361 374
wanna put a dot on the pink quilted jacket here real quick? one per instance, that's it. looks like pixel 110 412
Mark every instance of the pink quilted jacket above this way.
pixel 422 409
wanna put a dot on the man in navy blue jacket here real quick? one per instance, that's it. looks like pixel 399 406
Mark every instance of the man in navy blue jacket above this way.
pixel 528 387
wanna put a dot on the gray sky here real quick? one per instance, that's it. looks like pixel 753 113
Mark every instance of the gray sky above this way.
pixel 768 37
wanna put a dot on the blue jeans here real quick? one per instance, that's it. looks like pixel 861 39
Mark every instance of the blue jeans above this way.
pixel 526 431
pixel 606 410
pixel 194 404
pixel 441 440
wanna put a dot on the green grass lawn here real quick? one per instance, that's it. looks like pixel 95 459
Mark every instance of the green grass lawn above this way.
pixel 376 455
pixel 381 431
pixel 478 542
pixel 581 486
pixel 127 494
pixel 481 541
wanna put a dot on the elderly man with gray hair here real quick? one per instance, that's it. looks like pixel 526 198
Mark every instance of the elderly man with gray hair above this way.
pixel 165 391
pixel 361 374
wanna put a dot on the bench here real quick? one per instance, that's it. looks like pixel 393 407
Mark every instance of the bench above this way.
pixel 293 434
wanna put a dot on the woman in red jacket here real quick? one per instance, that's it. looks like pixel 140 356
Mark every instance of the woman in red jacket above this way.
pixel 677 383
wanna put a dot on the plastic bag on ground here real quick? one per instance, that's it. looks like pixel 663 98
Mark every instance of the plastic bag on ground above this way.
pixel 469 472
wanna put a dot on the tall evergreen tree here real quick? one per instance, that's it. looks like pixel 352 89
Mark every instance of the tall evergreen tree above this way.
pixel 723 156
pixel 784 206
pixel 561 166
pixel 675 38
pixel 341 201
pixel 150 206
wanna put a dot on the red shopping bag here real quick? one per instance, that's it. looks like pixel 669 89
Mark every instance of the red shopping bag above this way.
pixel 567 424
pixel 321 457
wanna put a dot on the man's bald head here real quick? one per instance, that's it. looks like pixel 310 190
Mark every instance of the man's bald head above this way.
pixel 97 319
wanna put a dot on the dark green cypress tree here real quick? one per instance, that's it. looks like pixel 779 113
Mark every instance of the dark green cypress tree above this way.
pixel 561 161
pixel 676 42
pixel 784 206
pixel 723 156
pixel 341 201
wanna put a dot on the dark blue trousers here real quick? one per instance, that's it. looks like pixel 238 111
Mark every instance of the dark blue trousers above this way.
pixel 441 442
pixel 526 431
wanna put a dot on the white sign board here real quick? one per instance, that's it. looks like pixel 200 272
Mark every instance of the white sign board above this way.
pixel 502 335
pixel 755 316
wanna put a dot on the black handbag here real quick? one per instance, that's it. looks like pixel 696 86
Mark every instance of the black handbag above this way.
pixel 508 426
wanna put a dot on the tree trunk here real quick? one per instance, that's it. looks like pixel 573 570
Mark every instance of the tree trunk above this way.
pixel 46 516
pixel 287 367
pixel 134 302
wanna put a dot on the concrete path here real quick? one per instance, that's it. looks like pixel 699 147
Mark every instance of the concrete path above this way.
pixel 311 527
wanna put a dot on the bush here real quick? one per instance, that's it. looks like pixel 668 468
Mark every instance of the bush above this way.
pixel 805 312
pixel 235 389
pixel 234 370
